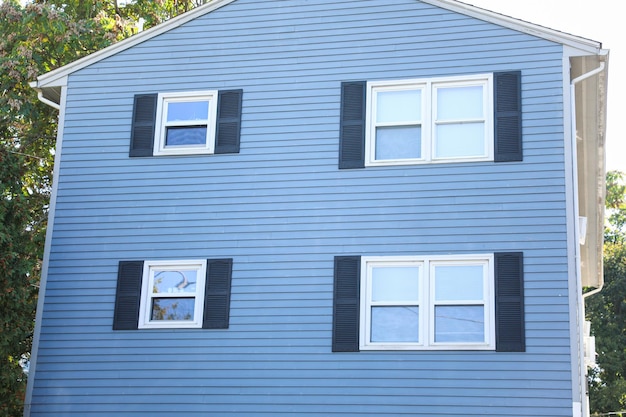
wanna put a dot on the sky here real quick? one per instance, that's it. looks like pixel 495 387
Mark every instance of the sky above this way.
pixel 598 20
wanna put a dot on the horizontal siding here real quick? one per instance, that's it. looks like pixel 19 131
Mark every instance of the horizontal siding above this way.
pixel 282 210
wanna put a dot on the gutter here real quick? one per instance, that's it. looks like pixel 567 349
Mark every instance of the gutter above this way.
pixel 41 97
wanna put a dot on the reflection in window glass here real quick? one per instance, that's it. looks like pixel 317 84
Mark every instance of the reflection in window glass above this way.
pixel 459 282
pixel 460 103
pixel 398 142
pixel 399 106
pixel 395 283
pixel 181 135
pixel 460 140
pixel 395 324
pixel 174 281
pixel 459 324
pixel 172 309
pixel 187 110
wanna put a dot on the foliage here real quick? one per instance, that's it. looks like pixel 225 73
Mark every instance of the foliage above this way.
pixel 607 309
pixel 34 39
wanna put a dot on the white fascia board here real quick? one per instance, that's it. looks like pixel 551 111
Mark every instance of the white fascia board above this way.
pixel 58 77
pixel 584 45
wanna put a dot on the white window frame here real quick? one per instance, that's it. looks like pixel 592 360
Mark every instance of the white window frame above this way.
pixel 428 86
pixel 161 126
pixel 145 307
pixel 427 302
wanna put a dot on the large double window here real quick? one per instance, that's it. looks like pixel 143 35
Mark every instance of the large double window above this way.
pixel 432 120
pixel 427 302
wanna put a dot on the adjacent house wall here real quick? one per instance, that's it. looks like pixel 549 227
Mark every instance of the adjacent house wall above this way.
pixel 282 210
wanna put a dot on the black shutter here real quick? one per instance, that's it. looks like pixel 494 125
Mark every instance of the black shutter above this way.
pixel 228 129
pixel 346 306
pixel 127 295
pixel 510 328
pixel 142 130
pixel 217 294
pixel 508 116
pixel 352 125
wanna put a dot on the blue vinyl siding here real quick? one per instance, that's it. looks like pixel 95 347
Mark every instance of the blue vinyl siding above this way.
pixel 282 210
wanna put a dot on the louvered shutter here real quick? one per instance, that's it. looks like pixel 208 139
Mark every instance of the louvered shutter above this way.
pixel 228 125
pixel 128 295
pixel 217 294
pixel 346 307
pixel 352 125
pixel 510 324
pixel 507 116
pixel 143 125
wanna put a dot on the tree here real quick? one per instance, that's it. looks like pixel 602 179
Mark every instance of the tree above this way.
pixel 607 309
pixel 34 39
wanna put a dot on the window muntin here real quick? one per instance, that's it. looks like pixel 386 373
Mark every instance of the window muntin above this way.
pixel 431 120
pixel 172 294
pixel 186 123
pixel 437 302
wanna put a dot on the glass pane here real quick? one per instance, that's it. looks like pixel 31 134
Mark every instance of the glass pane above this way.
pixel 399 106
pixel 459 282
pixel 174 281
pixel 395 283
pixel 459 324
pixel 395 324
pixel 460 139
pixel 398 142
pixel 172 309
pixel 187 110
pixel 460 103
pixel 177 136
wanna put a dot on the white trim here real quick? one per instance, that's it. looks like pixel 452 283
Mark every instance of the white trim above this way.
pixel 426 301
pixel 161 124
pixel 428 119
pixel 53 78
pixel 145 310
pixel 46 254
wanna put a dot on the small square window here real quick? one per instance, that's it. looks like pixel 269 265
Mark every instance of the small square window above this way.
pixel 429 120
pixel 172 294
pixel 186 123
pixel 436 302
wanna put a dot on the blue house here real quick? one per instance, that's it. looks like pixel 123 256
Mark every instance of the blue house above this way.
pixel 323 208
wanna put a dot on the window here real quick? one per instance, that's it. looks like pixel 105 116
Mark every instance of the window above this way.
pixel 434 120
pixel 173 294
pixel 463 119
pixel 202 122
pixel 462 302
pixel 186 123
pixel 427 303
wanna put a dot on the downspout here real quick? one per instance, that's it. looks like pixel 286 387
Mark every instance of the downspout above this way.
pixel 573 107
pixel 42 98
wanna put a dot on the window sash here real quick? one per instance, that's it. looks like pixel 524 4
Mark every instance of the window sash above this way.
pixel 426 302
pixel 208 121
pixel 148 295
pixel 428 120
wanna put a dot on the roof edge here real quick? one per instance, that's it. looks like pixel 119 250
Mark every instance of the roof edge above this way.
pixel 584 44
pixel 56 77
